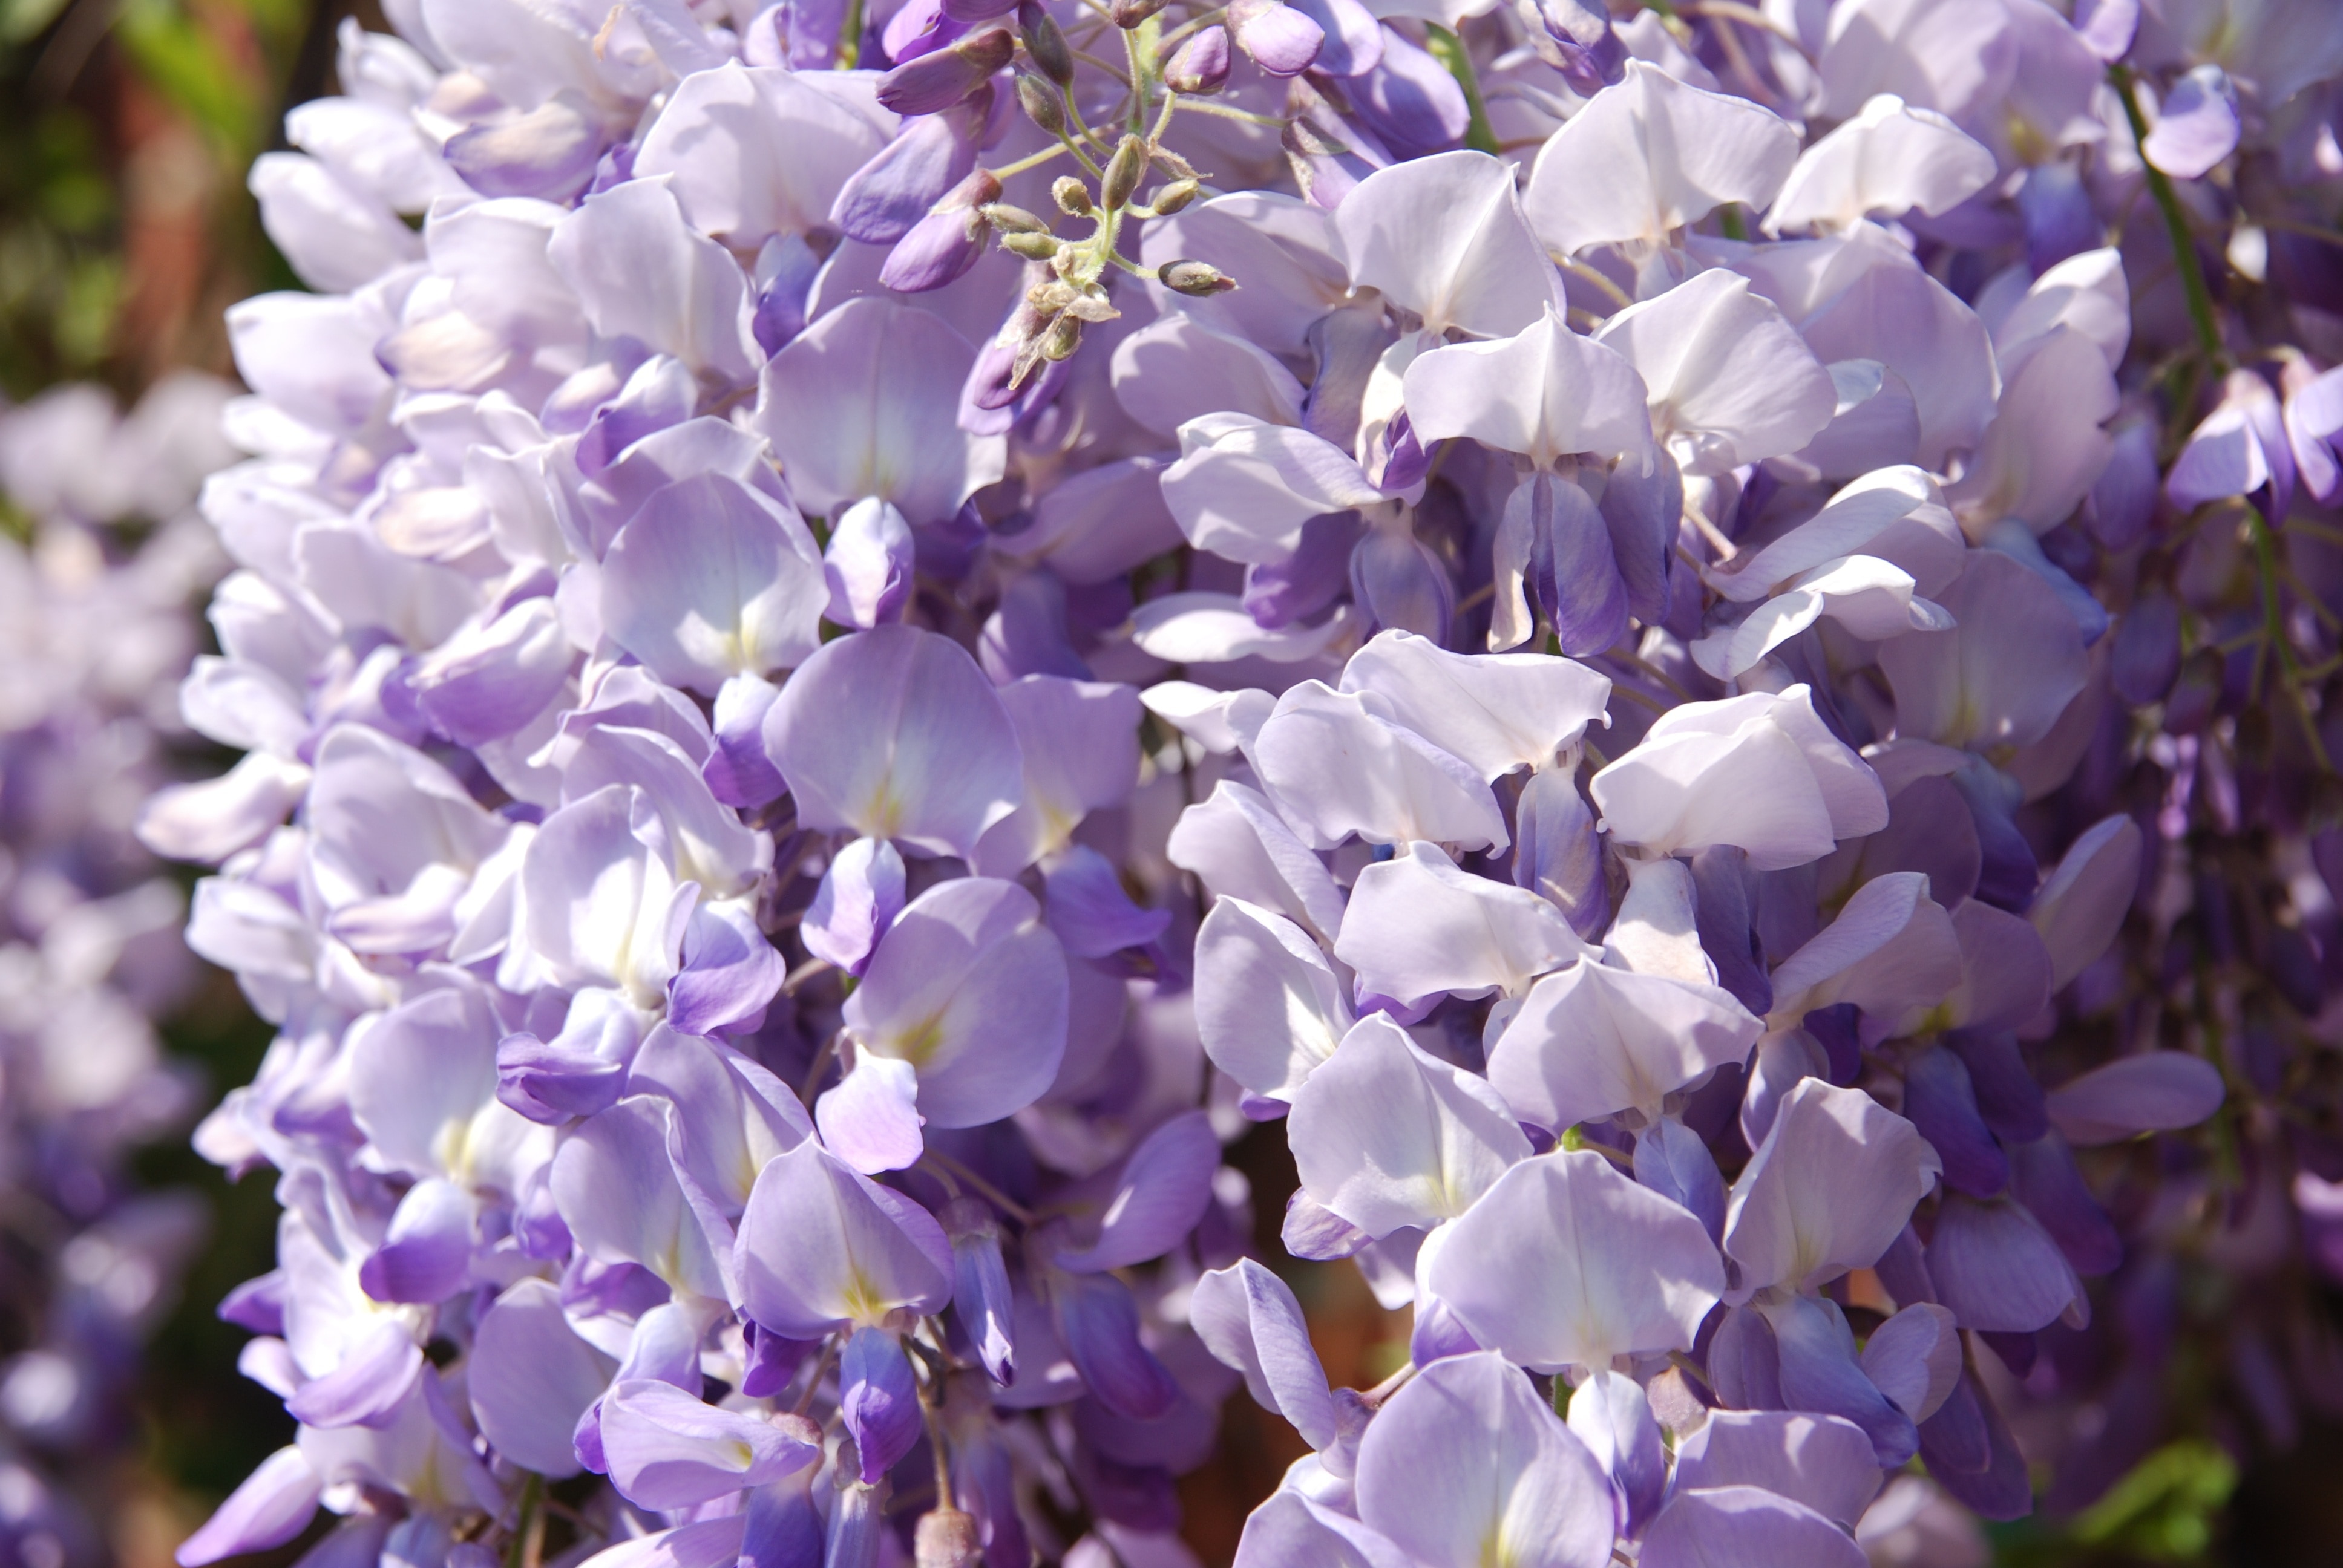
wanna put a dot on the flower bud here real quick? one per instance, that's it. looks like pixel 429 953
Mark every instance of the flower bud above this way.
pixel 1073 196
pixel 1173 197
pixel 1122 172
pixel 1032 246
pixel 1041 104
pixel 1280 40
pixel 1202 65
pixel 1000 215
pixel 1129 14
pixel 946 243
pixel 938 80
pixel 1199 278
pixel 947 1538
pixel 1045 43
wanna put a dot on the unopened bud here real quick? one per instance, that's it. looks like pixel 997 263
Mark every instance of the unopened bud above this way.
pixel 1041 104
pixel 1073 196
pixel 1202 65
pixel 1174 197
pixel 1013 219
pixel 1122 172
pixel 1199 278
pixel 947 1538
pixel 1064 336
pixel 1031 247
pixel 938 80
pixel 1045 43
pixel 1129 14
pixel 981 188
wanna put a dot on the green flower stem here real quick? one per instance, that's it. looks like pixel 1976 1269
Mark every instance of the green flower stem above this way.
pixel 1449 50
pixel 2176 224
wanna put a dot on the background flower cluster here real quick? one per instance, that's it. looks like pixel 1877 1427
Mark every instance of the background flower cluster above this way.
pixel 932 697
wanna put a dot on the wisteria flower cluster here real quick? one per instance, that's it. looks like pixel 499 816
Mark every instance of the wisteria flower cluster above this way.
pixel 894 623
pixel 100 574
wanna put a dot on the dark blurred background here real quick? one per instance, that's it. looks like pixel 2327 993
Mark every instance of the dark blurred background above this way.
pixel 126 230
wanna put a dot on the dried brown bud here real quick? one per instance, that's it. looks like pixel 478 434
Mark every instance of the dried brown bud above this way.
pixel 947 1538
pixel 1123 174
pixel 1073 196
pixel 1199 278
pixel 1173 197
pixel 1064 336
pixel 1042 104
pixel 1129 14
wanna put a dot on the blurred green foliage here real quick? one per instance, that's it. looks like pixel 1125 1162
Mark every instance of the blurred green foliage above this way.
pixel 69 72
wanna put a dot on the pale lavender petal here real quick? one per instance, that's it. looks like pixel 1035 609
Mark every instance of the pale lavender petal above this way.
pixel 668 1450
pixel 2197 126
pixel 1999 1270
pixel 272 1505
pixel 1249 1319
pixel 932 759
pixel 860 896
pixel 969 987
pixel 713 579
pixel 1743 1527
pixel 1610 1414
pixel 1466 1463
pixel 377 1373
pixel 1162 1191
pixel 1831 1186
pixel 821 1246
pixel 1566 1261
pixel 2155 1092
pixel 868 564
pixel 869 1118
pixel 1281 40
pixel 531 1378
pixel 1823 1461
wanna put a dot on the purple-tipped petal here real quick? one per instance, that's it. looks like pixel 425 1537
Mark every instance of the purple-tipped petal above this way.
pixel 860 896
pixel 737 772
pixel 878 1400
pixel 980 1290
pixel 730 972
